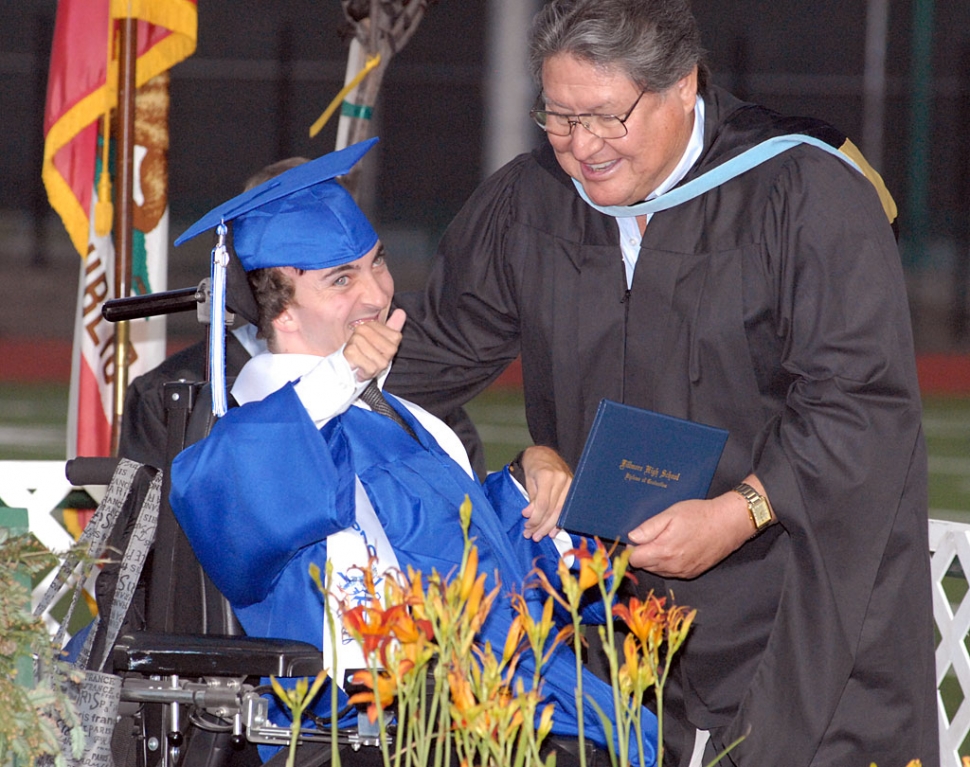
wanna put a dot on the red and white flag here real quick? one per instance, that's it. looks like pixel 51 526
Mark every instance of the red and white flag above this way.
pixel 82 88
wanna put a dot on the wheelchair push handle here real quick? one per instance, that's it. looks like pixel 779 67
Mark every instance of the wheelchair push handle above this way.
pixel 152 304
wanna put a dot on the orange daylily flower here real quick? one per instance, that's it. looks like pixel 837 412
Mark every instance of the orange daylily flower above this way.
pixel 473 596
pixel 368 574
pixel 505 696
pixel 539 632
pixel 359 622
pixel 569 586
pixel 371 627
pixel 414 597
pixel 396 589
pixel 386 690
pixel 679 621
pixel 514 639
pixel 469 576
pixel 410 655
pixel 479 608
pixel 519 605
pixel 403 626
pixel 645 619
pixel 585 559
pixel 461 693
pixel 635 674
pixel 545 722
pixel 565 634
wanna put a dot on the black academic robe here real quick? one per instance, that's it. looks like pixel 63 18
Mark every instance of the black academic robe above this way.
pixel 773 306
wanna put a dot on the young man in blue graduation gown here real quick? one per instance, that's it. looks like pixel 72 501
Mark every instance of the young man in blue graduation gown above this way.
pixel 304 471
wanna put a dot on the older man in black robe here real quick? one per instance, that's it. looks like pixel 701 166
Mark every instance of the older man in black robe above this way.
pixel 712 260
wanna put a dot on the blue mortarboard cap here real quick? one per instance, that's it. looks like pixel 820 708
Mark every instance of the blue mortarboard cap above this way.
pixel 301 218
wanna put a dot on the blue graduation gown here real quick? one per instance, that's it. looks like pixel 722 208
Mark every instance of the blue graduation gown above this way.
pixel 258 497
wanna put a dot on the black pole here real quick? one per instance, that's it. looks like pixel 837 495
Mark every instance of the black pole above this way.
pixel 959 320
pixel 284 95
pixel 39 206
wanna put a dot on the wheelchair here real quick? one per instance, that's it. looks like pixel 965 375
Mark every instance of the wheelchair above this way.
pixel 191 694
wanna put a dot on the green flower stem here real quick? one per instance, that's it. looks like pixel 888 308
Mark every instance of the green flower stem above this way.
pixel 580 713
pixel 661 681
pixel 381 719
pixel 609 637
pixel 334 691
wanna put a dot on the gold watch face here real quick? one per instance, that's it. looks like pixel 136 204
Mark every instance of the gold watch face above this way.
pixel 760 513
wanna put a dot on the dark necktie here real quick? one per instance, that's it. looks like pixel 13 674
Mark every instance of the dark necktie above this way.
pixel 373 396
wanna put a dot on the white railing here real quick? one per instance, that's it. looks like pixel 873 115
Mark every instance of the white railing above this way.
pixel 41 487
pixel 950 565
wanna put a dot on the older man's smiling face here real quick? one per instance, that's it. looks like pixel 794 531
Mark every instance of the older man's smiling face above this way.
pixel 625 170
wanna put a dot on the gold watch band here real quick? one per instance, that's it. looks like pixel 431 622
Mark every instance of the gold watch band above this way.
pixel 759 509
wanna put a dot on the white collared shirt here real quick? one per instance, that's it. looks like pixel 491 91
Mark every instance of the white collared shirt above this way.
pixel 327 386
pixel 630 236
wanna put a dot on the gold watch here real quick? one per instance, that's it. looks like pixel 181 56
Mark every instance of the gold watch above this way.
pixel 758 507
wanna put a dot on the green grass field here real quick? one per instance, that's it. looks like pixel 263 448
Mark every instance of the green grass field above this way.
pixel 947 425
pixel 33 421
pixel 33 418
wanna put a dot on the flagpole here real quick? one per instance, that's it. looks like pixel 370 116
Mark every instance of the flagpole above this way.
pixel 123 229
pixel 380 32
pixel 82 93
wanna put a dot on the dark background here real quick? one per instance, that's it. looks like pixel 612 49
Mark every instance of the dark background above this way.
pixel 264 70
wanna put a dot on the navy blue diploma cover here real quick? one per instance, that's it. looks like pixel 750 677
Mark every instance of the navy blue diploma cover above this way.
pixel 634 465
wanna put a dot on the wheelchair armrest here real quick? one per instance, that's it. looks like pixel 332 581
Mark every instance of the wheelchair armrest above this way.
pixel 150 652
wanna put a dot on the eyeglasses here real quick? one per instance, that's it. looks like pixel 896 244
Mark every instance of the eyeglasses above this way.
pixel 602 126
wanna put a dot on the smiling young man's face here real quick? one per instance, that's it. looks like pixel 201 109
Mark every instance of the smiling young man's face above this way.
pixel 625 170
pixel 329 303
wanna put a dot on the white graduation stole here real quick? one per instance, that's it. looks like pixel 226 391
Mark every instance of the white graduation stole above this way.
pixel 348 550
